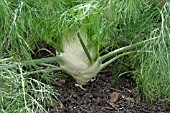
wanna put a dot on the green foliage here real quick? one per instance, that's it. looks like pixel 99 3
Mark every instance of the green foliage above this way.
pixel 153 78
pixel 22 93
pixel 13 30
pixel 20 30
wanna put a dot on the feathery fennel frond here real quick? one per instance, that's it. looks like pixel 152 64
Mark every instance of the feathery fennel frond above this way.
pixel 153 76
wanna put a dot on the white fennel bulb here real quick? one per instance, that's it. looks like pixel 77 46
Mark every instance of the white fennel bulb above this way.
pixel 75 61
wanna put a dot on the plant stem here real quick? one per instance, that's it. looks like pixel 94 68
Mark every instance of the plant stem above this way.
pixel 113 59
pixel 110 54
pixel 43 70
pixel 42 60
pixel 34 61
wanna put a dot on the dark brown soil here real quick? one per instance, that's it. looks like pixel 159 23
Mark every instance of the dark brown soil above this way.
pixel 101 96
pixel 97 97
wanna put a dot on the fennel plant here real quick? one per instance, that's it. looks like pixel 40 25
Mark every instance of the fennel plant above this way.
pixel 81 32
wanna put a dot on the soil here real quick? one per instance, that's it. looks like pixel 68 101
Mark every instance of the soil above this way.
pixel 100 96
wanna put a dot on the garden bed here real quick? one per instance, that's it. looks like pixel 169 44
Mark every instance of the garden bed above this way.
pixel 97 97
pixel 101 95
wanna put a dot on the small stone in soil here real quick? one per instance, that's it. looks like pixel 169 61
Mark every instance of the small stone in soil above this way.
pixel 114 97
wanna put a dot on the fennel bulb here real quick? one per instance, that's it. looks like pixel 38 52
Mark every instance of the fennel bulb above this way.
pixel 76 63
